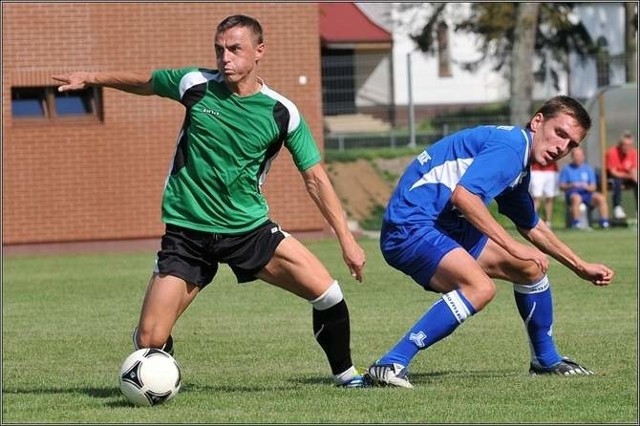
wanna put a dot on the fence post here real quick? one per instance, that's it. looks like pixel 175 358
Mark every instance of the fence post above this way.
pixel 412 126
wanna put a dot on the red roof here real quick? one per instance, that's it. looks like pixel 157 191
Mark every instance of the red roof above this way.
pixel 345 23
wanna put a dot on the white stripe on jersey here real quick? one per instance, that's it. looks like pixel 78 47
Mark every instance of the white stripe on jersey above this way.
pixel 194 78
pixel 294 114
pixel 448 173
pixel 525 160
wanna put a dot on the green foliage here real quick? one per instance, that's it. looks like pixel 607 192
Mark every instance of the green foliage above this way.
pixel 495 22
pixel 497 113
pixel 248 354
pixel 374 221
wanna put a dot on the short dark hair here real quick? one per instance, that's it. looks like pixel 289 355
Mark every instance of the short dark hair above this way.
pixel 564 105
pixel 242 21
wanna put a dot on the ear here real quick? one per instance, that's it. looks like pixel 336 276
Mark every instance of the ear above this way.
pixel 259 51
pixel 536 122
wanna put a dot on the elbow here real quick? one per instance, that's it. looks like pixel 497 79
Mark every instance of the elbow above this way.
pixel 457 197
pixel 312 188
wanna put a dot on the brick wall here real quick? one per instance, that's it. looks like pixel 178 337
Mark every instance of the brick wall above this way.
pixel 78 180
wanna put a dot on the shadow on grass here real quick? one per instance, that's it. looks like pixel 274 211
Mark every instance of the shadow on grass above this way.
pixel 114 392
pixel 425 378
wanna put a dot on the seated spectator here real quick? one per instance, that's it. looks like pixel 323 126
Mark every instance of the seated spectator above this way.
pixel 578 181
pixel 621 162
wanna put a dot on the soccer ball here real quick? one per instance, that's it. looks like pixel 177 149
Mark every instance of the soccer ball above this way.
pixel 149 377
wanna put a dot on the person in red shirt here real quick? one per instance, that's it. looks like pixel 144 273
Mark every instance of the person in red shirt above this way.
pixel 544 184
pixel 621 162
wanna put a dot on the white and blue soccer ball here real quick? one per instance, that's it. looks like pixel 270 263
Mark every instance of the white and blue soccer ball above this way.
pixel 150 377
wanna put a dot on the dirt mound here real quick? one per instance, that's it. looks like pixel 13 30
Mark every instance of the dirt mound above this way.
pixel 363 185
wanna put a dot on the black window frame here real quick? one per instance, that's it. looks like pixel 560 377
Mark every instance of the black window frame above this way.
pixel 90 103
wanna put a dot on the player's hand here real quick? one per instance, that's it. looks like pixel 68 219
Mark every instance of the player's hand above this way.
pixel 524 252
pixel 597 274
pixel 355 259
pixel 72 81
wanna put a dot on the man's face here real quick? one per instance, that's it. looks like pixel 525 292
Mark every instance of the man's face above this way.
pixel 625 144
pixel 237 53
pixel 578 156
pixel 554 138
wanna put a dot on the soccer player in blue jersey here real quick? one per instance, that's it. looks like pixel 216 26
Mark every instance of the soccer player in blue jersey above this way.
pixel 437 229
pixel 213 205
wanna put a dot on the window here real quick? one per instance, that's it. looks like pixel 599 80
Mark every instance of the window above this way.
pixel 46 103
pixel 28 102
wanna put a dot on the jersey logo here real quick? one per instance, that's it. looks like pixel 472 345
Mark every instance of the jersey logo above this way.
pixel 519 179
pixel 423 157
pixel 210 111
pixel 418 338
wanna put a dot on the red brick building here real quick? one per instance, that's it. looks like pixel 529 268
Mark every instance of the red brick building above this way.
pixel 100 175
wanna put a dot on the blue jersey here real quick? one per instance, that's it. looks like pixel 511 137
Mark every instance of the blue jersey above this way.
pixel 572 173
pixel 491 162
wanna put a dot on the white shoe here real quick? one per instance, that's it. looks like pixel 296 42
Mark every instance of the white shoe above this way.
pixel 389 374
pixel 619 213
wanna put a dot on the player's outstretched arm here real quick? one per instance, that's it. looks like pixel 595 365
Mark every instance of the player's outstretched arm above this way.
pixel 131 82
pixel 324 196
pixel 544 239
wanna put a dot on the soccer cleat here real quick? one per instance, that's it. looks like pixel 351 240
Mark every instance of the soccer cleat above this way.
pixel 566 367
pixel 581 227
pixel 389 374
pixel 357 381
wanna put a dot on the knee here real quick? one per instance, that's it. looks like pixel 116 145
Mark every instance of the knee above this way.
pixel 530 273
pixel 481 294
pixel 331 297
pixel 525 272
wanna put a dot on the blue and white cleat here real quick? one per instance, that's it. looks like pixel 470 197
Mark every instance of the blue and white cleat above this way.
pixel 357 381
pixel 389 374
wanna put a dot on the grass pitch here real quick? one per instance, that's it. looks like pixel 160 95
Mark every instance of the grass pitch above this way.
pixel 248 355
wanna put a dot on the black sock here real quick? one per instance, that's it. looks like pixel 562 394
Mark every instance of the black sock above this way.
pixel 331 329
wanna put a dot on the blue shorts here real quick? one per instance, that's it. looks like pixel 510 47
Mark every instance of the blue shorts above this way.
pixel 417 250
pixel 586 196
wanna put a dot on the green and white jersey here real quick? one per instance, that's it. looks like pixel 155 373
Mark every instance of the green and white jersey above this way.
pixel 225 149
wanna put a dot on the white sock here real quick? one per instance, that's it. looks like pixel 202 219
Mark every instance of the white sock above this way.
pixel 345 376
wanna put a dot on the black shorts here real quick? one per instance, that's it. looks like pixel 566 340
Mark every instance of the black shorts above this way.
pixel 194 256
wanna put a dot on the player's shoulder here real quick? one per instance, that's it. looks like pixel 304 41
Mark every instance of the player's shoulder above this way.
pixel 278 97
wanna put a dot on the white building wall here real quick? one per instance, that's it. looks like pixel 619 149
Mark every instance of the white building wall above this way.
pixel 602 20
pixel 372 79
pixel 485 85
pixel 481 86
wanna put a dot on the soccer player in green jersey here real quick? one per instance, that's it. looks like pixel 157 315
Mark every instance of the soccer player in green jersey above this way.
pixel 213 206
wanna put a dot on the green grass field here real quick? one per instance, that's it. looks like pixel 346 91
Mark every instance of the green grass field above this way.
pixel 248 355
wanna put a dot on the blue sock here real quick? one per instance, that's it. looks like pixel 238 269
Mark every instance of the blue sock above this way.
pixel 536 309
pixel 444 316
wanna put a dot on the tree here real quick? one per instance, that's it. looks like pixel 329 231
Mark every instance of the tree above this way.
pixel 511 35
pixel 631 31
pixel 522 79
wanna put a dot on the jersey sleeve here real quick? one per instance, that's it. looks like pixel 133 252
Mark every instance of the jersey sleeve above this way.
pixel 494 169
pixel 166 82
pixel 303 147
pixel 517 205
